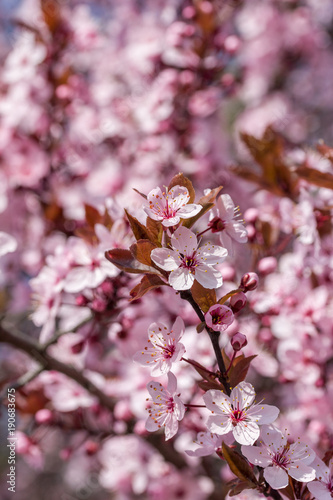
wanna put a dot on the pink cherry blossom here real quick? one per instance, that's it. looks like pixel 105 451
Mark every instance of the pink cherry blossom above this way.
pixel 238 413
pixel 167 409
pixel 170 206
pixel 280 459
pixel 224 221
pixel 187 262
pixel 322 487
pixel 219 317
pixel 163 349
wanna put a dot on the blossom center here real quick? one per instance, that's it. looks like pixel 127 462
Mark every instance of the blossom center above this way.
pixel 237 416
pixel 217 318
pixel 281 459
pixel 189 262
pixel 168 352
pixel 170 405
pixel 216 225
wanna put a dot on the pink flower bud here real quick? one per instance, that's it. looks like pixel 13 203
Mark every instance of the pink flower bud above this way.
pixel 267 265
pixel 98 305
pixel 251 215
pixel 238 301
pixel 91 447
pixel 238 341
pixel 249 282
pixel 219 317
pixel 44 416
pixel 77 348
pixel 81 301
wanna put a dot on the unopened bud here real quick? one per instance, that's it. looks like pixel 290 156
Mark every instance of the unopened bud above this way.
pixel 91 447
pixel 238 301
pixel 249 282
pixel 81 300
pixel 238 341
pixel 77 348
pixel 267 265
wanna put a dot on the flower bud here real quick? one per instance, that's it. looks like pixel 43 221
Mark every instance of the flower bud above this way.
pixel 238 301
pixel 219 317
pixel 249 282
pixel 238 341
pixel 267 265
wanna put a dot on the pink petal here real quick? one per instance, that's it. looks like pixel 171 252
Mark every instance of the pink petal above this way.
pixel 171 221
pixel 243 394
pixel 226 207
pixel 189 211
pixel 179 409
pixel 263 414
pixel 212 255
pixel 246 432
pixel 151 425
pixel 171 426
pixel 301 451
pixel 172 383
pixel 319 490
pixel 257 455
pixel 184 241
pixel 181 279
pixel 208 277
pixel 217 401
pixel 178 328
pixel 302 472
pixel 237 232
pixel 276 477
pixel 165 259
pixel 219 424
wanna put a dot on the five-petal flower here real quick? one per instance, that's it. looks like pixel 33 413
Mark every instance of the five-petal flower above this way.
pixel 187 262
pixel 163 347
pixel 167 409
pixel 224 221
pixel 238 413
pixel 170 206
pixel 280 459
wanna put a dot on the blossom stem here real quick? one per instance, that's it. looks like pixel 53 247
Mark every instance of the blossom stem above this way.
pixel 203 232
pixel 214 338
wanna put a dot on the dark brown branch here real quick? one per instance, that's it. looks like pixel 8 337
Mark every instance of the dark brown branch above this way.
pixel 214 338
pixel 38 352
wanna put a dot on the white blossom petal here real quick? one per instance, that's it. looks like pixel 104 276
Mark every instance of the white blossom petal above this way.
pixel 165 259
pixel 246 432
pixel 257 455
pixel 181 279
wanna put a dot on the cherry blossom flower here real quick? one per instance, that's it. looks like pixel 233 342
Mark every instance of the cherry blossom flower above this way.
pixel 163 349
pixel 224 221
pixel 167 408
pixel 219 317
pixel 170 206
pixel 187 262
pixel 237 413
pixel 322 488
pixel 280 459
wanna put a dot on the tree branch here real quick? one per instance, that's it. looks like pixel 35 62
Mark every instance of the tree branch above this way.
pixel 214 338
pixel 38 352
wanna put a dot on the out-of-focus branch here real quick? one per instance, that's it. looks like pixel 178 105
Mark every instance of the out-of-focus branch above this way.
pixel 47 362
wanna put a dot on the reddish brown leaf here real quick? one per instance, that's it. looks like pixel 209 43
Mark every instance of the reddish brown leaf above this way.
pixel 238 464
pixel 206 385
pixel 204 297
pixel 155 230
pixel 228 296
pixel 148 282
pixel 236 487
pixel 139 230
pixel 206 374
pixel 314 176
pixel 124 260
pixel 239 369
pixel 51 14
pixel 181 180
pixel 92 215
pixel 141 250
pixel 141 194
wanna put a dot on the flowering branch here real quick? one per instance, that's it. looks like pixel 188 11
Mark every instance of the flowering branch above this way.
pixel 38 352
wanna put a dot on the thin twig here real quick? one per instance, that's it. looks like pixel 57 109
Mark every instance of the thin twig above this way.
pixel 37 351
